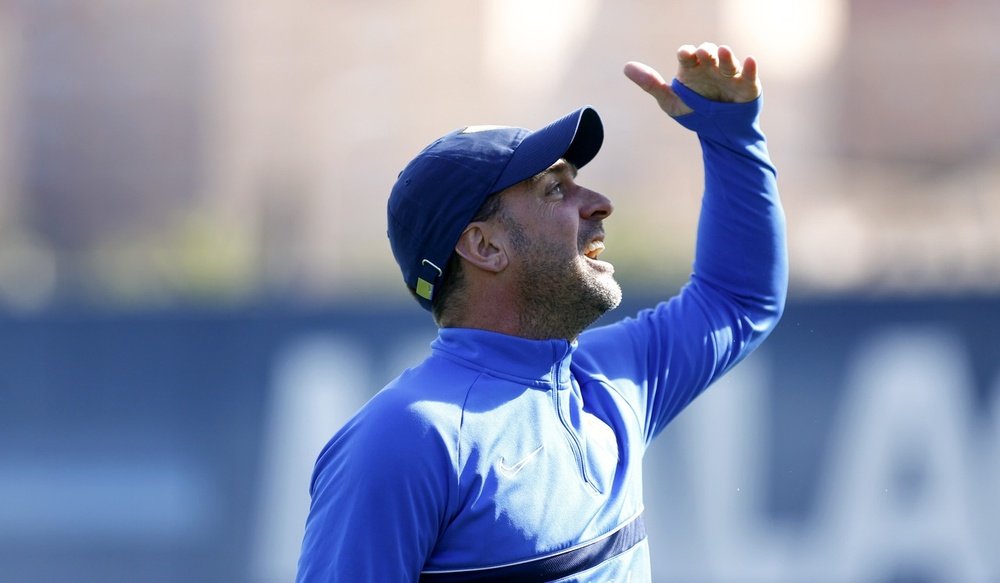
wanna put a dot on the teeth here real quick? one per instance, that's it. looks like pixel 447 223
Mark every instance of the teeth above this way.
pixel 593 249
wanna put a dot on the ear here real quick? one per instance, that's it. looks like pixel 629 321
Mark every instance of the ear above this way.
pixel 482 245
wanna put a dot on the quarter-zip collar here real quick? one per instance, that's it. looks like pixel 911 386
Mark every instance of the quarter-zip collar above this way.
pixel 535 363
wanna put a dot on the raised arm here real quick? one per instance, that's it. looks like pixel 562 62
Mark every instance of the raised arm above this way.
pixel 737 289
pixel 741 240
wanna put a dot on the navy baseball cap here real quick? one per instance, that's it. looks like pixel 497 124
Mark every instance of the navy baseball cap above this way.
pixel 437 194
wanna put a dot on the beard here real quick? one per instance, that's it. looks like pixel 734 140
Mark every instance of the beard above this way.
pixel 561 293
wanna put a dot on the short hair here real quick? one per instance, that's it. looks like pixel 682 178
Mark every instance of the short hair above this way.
pixel 453 279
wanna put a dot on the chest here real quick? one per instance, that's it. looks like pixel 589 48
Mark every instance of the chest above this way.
pixel 540 473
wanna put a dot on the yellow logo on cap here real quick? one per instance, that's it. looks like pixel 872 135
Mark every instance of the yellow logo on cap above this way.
pixel 425 289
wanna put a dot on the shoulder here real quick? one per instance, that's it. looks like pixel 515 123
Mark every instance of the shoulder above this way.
pixel 430 395
pixel 622 345
pixel 413 419
pixel 388 475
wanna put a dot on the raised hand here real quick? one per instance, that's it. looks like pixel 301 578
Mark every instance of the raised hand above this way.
pixel 712 71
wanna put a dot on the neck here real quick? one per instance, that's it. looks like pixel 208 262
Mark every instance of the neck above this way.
pixel 493 308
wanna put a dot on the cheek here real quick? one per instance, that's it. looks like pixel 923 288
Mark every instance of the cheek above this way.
pixel 552 228
pixel 560 224
pixel 550 251
pixel 561 237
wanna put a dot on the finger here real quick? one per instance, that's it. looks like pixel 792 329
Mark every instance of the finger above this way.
pixel 653 83
pixel 686 56
pixel 708 54
pixel 728 64
pixel 646 77
pixel 750 70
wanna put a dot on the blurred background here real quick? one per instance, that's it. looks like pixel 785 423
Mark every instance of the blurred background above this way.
pixel 196 288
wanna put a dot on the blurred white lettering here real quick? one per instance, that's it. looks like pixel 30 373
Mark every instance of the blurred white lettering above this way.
pixel 907 486
pixel 900 495
pixel 319 382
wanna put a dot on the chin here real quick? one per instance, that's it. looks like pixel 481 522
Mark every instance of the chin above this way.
pixel 606 294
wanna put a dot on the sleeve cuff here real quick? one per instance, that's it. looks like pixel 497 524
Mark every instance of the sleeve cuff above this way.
pixel 716 118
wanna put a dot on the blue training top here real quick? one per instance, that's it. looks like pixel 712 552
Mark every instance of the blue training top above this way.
pixel 501 453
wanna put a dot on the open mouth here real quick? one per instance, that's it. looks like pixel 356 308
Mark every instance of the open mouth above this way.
pixel 594 249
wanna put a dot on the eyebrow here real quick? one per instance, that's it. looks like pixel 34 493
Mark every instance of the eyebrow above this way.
pixel 561 166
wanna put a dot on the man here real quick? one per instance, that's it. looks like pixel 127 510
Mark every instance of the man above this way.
pixel 513 453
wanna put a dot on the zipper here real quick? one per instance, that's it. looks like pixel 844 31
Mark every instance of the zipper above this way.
pixel 574 442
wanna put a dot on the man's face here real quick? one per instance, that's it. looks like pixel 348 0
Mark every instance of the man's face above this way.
pixel 556 233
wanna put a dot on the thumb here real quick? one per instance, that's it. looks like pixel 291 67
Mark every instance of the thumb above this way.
pixel 646 77
pixel 650 80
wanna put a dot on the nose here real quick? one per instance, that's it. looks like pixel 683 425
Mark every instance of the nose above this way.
pixel 596 206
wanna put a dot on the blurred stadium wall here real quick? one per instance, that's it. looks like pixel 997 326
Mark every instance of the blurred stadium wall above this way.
pixel 861 443
pixel 195 285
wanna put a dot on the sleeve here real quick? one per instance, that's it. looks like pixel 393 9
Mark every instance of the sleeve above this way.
pixel 379 498
pixel 667 355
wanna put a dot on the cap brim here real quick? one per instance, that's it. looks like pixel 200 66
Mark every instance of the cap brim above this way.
pixel 577 137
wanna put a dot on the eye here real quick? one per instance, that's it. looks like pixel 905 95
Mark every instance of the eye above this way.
pixel 555 189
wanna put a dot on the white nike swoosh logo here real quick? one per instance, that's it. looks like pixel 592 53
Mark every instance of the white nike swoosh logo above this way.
pixel 511 471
